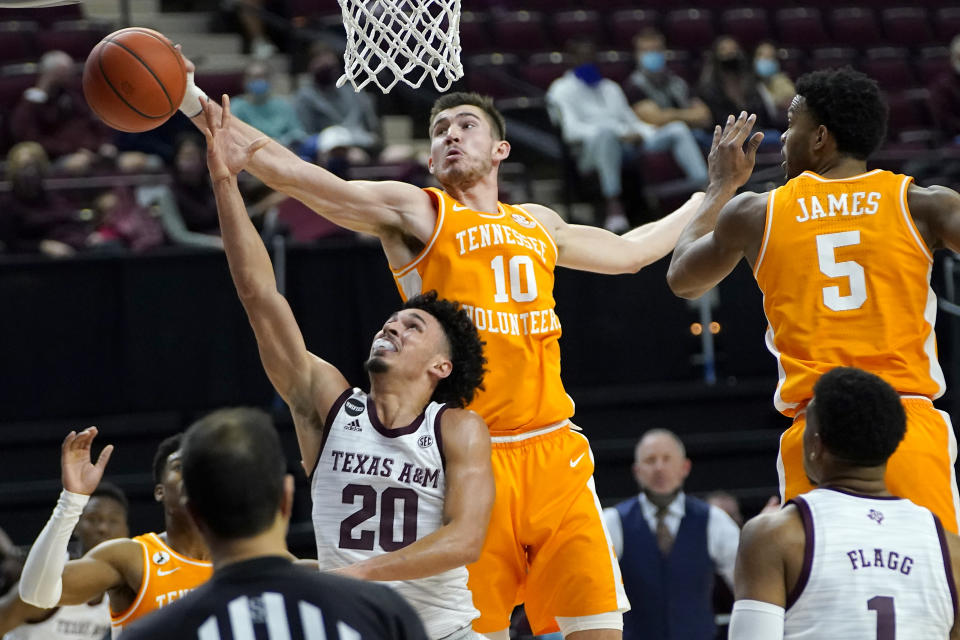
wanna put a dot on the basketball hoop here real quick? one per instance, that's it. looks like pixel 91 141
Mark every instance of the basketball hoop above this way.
pixel 389 41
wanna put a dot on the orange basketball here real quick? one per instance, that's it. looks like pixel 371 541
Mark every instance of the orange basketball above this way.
pixel 134 79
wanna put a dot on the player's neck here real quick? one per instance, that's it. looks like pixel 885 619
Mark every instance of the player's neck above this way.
pixel 271 542
pixel 397 405
pixel 183 537
pixel 479 196
pixel 841 167
pixel 866 481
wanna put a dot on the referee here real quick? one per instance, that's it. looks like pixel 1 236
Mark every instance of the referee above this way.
pixel 240 497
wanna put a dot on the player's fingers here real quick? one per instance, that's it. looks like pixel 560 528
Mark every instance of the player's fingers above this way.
pixel 207 116
pixel 744 127
pixel 104 458
pixel 225 115
pixel 68 441
pixel 753 144
pixel 736 128
pixel 717 132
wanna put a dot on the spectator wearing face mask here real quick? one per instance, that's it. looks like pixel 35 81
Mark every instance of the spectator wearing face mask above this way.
pixel 321 104
pixel 659 96
pixel 775 87
pixel 728 85
pixel 261 108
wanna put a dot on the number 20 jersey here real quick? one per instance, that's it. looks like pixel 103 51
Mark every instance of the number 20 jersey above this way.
pixel 499 266
pixel 845 277
pixel 376 490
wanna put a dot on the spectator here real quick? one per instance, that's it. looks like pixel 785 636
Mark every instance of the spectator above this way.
pixel 259 107
pixel 238 492
pixel 727 84
pixel 728 503
pixel 669 545
pixel 192 193
pixel 122 224
pixel 320 103
pixel 775 87
pixel 945 97
pixel 658 95
pixel 55 114
pixel 605 134
pixel 32 218
pixel 249 14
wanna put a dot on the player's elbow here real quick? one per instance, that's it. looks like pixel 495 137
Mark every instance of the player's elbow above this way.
pixel 682 286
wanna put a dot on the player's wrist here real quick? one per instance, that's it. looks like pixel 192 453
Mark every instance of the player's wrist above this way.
pixel 193 97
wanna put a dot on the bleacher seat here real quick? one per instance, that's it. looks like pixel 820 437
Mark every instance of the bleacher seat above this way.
pixel 543 68
pixel 792 61
pixel 76 37
pixel 17 39
pixel 749 26
pixel 801 27
pixel 216 83
pixel 576 24
pixel 947 23
pixel 684 64
pixel 14 80
pixel 890 67
pixel 909 112
pixel 624 25
pixel 486 74
pixel 906 26
pixel 616 65
pixel 855 27
pixel 690 29
pixel 45 16
pixel 474 32
pixel 831 57
pixel 932 62
pixel 520 31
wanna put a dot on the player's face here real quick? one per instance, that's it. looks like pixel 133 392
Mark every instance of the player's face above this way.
pixel 410 340
pixel 796 140
pixel 660 465
pixel 463 147
pixel 171 484
pixel 102 519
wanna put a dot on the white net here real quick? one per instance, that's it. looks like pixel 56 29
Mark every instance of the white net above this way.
pixel 409 40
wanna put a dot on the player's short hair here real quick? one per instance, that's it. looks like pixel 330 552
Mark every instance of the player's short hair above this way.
pixel 860 417
pixel 849 105
pixel 466 349
pixel 233 468
pixel 484 103
pixel 109 490
pixel 166 447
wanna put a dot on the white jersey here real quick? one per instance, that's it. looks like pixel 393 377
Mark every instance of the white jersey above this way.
pixel 377 490
pixel 74 622
pixel 872 568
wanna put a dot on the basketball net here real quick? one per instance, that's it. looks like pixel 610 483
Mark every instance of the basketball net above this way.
pixel 409 40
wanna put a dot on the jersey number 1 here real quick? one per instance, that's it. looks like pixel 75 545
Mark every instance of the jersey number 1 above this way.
pixel 827 244
pixel 886 616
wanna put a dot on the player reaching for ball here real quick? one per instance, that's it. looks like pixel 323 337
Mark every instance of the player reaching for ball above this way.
pixel 546 545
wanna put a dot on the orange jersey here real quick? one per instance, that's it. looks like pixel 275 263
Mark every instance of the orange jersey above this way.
pixel 167 576
pixel 500 267
pixel 845 277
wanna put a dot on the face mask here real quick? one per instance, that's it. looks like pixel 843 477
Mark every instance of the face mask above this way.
pixel 653 61
pixel 766 67
pixel 589 74
pixel 733 63
pixel 258 87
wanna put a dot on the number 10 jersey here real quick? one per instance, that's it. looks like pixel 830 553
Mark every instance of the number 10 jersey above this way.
pixel 377 489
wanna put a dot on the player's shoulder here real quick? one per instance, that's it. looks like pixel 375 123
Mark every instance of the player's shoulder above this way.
pixel 463 423
pixel 747 203
pixel 935 198
pixel 773 532
pixel 549 218
pixel 118 550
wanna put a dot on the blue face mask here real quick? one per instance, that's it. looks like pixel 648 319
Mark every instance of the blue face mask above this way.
pixel 258 87
pixel 653 61
pixel 589 74
pixel 766 67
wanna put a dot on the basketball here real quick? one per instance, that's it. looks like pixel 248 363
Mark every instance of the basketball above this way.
pixel 134 79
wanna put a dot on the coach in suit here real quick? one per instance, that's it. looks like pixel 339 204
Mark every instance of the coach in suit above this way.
pixel 670 545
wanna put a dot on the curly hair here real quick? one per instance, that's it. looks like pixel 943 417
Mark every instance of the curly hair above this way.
pixel 484 103
pixel 859 416
pixel 849 105
pixel 168 446
pixel 466 349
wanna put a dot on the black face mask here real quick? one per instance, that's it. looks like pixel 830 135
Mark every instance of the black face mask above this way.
pixel 325 76
pixel 733 64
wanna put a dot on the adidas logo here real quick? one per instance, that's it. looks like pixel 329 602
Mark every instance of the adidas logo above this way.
pixel 353 426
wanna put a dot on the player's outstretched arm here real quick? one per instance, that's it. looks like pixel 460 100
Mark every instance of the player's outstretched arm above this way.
pixel 308 384
pixel 371 207
pixel 467 505
pixel 594 249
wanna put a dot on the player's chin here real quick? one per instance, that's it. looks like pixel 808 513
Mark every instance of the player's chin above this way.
pixel 376 364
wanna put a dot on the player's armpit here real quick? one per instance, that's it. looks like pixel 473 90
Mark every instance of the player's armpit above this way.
pixel 110 565
pixel 936 212
pixel 700 262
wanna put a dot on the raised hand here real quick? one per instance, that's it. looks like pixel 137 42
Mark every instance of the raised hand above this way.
pixel 228 152
pixel 729 163
pixel 78 472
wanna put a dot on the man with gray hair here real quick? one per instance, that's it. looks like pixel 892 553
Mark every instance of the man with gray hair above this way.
pixel 670 545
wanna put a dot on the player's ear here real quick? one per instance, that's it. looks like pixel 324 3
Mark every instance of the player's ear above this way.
pixel 158 493
pixel 430 165
pixel 501 150
pixel 820 139
pixel 441 368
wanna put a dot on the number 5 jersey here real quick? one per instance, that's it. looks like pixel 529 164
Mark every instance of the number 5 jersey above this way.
pixel 376 490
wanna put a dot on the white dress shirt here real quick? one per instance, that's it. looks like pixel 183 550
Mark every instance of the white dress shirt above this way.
pixel 582 110
pixel 723 534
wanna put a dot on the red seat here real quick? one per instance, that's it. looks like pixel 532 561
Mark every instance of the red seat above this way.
pixel 855 27
pixel 932 63
pixel 793 62
pixel 684 65
pixel 543 68
pixel 576 24
pixel 748 26
pixel 17 41
pixel 485 74
pixel 520 31
pixel 76 38
pixel 474 32
pixel 624 25
pixel 616 65
pixel 801 27
pixel 14 80
pixel 690 29
pixel 907 26
pixel 890 67
pixel 831 58
pixel 908 112
pixel 947 23
pixel 45 16
pixel 217 83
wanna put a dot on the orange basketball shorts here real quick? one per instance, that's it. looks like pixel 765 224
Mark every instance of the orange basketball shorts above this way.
pixel 921 469
pixel 547 545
